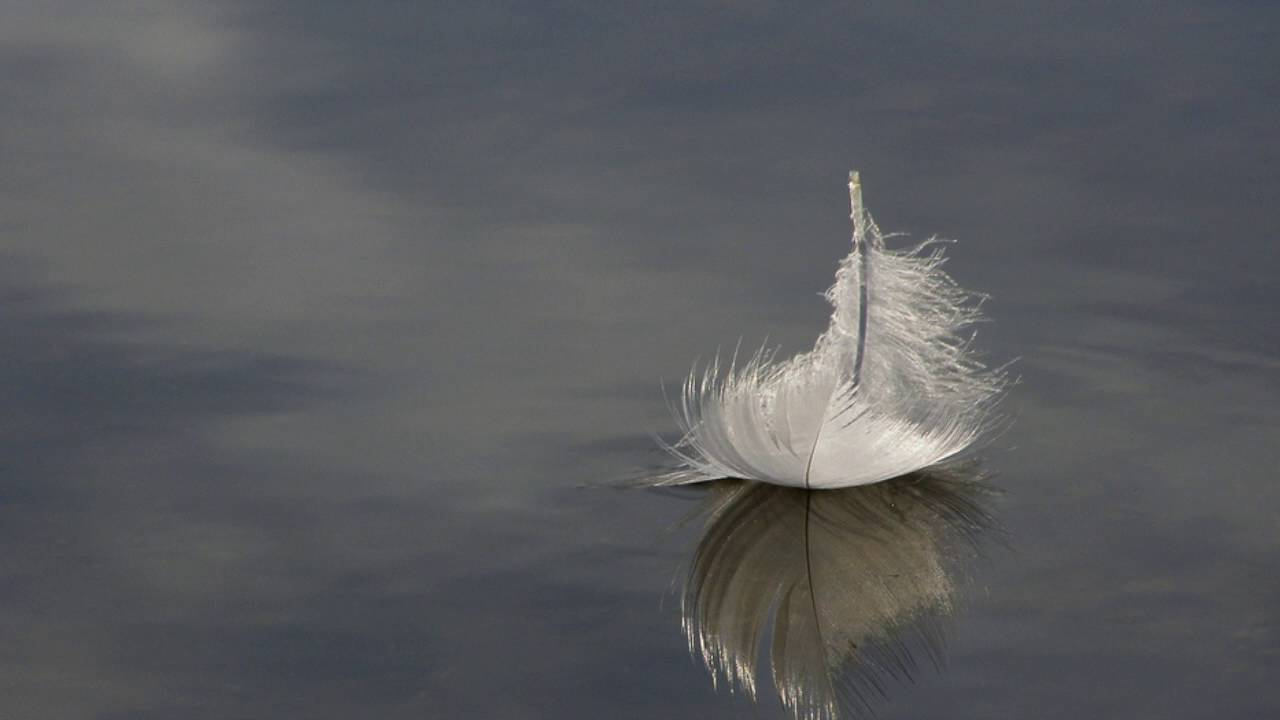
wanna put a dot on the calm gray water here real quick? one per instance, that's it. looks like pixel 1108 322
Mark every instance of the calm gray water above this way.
pixel 320 321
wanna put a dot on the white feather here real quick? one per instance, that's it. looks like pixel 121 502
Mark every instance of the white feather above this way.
pixel 891 387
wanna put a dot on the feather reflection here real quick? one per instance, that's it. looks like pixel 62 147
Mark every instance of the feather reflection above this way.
pixel 845 589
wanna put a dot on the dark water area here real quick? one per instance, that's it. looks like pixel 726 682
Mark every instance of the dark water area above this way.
pixel 324 324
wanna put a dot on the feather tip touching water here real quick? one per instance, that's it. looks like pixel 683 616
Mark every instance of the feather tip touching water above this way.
pixel 893 385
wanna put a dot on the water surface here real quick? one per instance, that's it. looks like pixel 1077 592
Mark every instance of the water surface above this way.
pixel 317 319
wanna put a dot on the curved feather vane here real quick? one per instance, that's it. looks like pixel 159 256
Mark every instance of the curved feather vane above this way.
pixel 892 386
pixel 849 584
